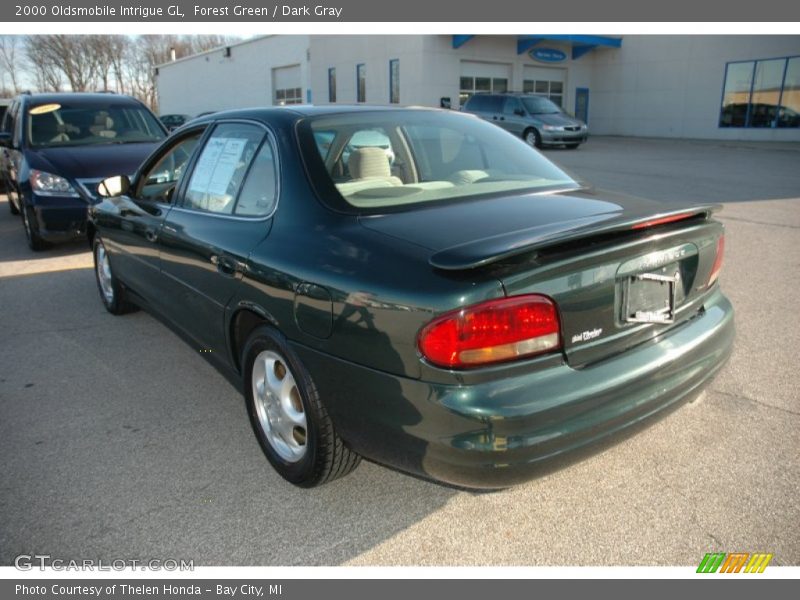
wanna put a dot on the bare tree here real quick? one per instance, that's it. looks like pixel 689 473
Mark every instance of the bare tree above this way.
pixel 69 54
pixel 10 60
pixel 86 62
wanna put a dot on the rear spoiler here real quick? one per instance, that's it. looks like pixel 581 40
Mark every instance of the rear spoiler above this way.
pixel 489 250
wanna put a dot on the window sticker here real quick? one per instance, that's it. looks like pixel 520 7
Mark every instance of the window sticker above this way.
pixel 216 166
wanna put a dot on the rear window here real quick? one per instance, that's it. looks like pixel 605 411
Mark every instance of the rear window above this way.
pixel 374 160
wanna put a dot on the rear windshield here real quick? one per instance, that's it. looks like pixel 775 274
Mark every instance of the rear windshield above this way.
pixel 384 159
pixel 55 124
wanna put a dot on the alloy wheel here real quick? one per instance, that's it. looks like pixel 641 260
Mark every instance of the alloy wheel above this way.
pixel 279 406
pixel 104 274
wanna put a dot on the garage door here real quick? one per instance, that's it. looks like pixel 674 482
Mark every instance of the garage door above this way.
pixel 286 85
pixel 544 81
pixel 482 77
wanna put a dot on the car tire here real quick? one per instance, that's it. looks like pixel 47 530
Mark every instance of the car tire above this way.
pixel 112 293
pixel 288 416
pixel 532 137
pixel 31 226
pixel 571 146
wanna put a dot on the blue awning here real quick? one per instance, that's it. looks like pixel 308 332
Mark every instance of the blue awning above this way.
pixel 581 44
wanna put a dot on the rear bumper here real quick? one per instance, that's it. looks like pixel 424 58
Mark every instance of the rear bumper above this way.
pixel 502 432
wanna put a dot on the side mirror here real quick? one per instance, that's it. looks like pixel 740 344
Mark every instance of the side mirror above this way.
pixel 5 139
pixel 519 112
pixel 111 187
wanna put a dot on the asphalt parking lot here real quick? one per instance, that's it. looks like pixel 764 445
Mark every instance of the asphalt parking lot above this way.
pixel 120 441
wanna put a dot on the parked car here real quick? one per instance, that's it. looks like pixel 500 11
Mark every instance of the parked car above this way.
pixel 468 313
pixel 58 147
pixel 172 122
pixel 536 119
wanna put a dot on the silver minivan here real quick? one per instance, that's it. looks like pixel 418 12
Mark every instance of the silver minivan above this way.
pixel 535 119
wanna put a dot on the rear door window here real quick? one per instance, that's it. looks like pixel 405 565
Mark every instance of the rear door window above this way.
pixel 221 167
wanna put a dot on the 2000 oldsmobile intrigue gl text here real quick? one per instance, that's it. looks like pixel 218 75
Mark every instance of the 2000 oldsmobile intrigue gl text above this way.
pixel 418 287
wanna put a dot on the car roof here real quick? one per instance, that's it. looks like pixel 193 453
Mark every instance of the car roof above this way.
pixel 78 97
pixel 297 111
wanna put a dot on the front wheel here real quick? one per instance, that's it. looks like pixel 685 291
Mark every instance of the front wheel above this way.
pixel 111 292
pixel 35 241
pixel 287 415
pixel 533 138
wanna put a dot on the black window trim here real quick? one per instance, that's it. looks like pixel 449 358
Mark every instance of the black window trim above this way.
pixel 269 137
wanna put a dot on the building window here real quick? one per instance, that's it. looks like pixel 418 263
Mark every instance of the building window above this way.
pixel 554 90
pixel 361 83
pixel 332 84
pixel 394 81
pixel 289 96
pixel 761 93
pixel 470 85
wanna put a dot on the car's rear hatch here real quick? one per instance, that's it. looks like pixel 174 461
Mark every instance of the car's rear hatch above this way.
pixel 615 265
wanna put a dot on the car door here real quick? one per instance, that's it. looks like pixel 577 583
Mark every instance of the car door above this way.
pixel 224 211
pixel 131 231
pixel 513 117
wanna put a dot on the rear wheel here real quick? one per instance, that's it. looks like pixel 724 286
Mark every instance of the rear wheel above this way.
pixel 287 415
pixel 35 241
pixel 532 138
pixel 111 292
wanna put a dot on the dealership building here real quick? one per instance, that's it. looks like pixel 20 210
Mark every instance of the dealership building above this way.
pixel 708 87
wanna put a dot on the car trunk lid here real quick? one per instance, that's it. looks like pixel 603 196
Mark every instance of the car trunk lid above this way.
pixel 606 260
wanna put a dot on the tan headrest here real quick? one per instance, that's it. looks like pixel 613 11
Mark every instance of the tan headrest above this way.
pixel 369 162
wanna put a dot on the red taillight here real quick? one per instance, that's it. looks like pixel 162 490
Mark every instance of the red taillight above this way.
pixel 717 261
pixel 494 331
pixel 663 220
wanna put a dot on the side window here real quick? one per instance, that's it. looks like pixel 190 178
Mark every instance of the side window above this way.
pixel 512 105
pixel 496 104
pixel 221 167
pixel 158 183
pixel 260 190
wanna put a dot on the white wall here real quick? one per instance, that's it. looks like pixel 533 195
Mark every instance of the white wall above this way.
pixel 344 52
pixel 671 86
pixel 663 86
pixel 211 82
pixel 442 65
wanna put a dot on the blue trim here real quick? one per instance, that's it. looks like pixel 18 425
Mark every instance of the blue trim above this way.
pixel 460 40
pixel 578 51
pixel 578 93
pixel 750 94
pixel 783 85
pixel 586 40
pixel 526 42
pixel 358 66
pixel 755 62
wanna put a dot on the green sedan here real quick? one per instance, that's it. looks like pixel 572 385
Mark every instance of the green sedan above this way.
pixel 415 287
